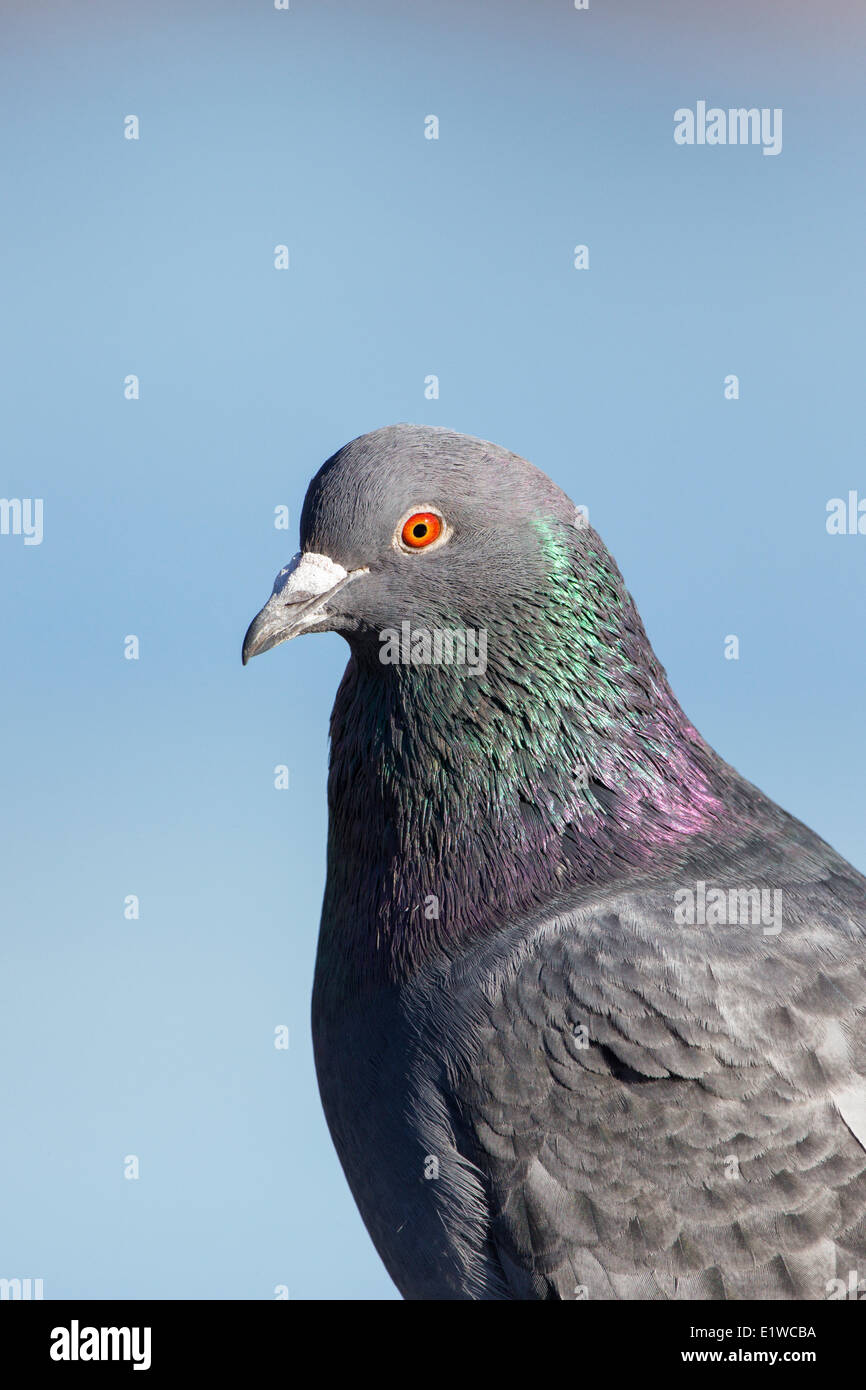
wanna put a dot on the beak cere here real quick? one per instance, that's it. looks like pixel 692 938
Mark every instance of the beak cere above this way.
pixel 301 592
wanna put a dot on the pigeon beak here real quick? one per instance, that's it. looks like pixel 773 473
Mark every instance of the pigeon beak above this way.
pixel 301 592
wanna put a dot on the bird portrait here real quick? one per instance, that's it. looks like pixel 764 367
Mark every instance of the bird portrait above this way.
pixel 588 1007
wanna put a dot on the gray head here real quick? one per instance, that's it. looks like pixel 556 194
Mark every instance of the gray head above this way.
pixel 566 744
pixel 413 522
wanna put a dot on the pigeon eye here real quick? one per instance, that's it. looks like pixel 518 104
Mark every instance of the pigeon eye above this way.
pixel 421 529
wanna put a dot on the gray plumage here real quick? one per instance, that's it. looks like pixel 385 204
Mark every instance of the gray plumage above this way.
pixel 542 1079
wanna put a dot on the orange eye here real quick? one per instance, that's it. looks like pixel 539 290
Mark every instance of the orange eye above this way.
pixel 423 528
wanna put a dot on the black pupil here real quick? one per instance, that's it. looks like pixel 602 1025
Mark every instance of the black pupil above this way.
pixel 420 530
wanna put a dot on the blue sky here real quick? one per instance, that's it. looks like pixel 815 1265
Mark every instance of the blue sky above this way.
pixel 409 257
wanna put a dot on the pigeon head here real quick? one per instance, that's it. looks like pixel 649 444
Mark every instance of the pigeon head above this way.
pixel 503 725
pixel 415 525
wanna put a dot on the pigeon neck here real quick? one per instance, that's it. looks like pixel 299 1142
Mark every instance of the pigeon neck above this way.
pixel 461 799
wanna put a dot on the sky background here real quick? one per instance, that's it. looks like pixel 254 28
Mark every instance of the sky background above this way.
pixel 408 257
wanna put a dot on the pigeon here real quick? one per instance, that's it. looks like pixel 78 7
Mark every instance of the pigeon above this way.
pixel 588 1007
